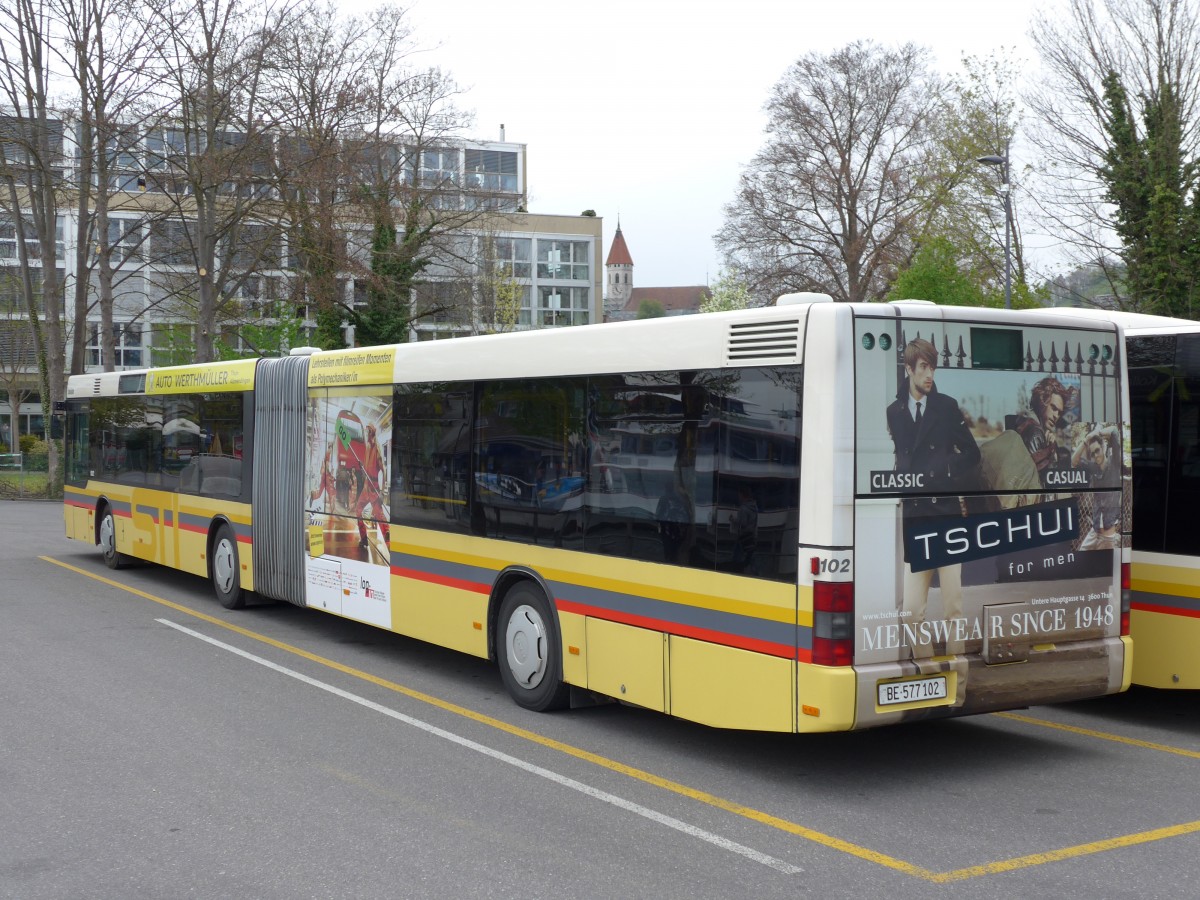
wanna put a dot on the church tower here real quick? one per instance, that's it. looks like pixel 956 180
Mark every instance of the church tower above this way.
pixel 618 272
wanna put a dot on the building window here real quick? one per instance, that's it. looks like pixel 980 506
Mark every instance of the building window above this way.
pixel 33 248
pixel 512 256
pixel 491 170
pixel 8 239
pixel 124 163
pixel 439 168
pixel 16 345
pixel 172 242
pixel 563 260
pixel 12 291
pixel 256 247
pixel 167 153
pixel 560 306
pixel 127 345
pixel 124 239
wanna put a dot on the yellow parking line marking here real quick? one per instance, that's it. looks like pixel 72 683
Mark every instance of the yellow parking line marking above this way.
pixel 1101 735
pixel 525 765
pixel 1037 859
pixel 699 796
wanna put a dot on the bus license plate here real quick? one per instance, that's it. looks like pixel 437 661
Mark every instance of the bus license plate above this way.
pixel 914 691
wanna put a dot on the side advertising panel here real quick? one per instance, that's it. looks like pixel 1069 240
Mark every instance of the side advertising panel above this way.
pixel 347 478
pixel 989 469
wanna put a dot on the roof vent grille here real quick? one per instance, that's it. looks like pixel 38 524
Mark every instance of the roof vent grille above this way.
pixel 764 340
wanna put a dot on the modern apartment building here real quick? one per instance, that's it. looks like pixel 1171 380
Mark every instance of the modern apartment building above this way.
pixel 548 264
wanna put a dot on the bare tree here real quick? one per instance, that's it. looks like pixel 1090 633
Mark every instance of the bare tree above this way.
pixel 31 173
pixel 836 198
pixel 104 48
pixel 413 187
pixel 1149 48
pixel 319 90
pixel 211 154
pixel 372 172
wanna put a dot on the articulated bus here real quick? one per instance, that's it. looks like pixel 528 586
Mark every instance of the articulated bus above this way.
pixel 809 517
pixel 1164 386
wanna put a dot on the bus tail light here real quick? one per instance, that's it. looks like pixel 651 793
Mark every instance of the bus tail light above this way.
pixel 1126 596
pixel 833 623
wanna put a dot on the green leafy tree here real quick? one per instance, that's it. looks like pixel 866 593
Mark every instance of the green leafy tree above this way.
pixel 1119 96
pixel 980 118
pixel 1156 192
pixel 938 273
pixel 275 333
pixel 651 309
pixel 396 261
pixel 504 296
pixel 935 275
pixel 173 345
pixel 727 293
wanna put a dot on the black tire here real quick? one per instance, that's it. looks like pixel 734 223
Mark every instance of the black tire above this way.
pixel 529 651
pixel 108 541
pixel 225 570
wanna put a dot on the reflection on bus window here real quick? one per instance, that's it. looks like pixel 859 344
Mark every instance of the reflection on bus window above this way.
pixel 191 443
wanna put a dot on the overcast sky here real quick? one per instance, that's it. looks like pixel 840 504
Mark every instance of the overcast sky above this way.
pixel 646 110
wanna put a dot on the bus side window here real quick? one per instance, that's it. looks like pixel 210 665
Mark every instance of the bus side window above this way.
pixel 1184 492
pixel 1151 397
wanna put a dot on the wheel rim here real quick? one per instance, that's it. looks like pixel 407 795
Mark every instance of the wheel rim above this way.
pixel 224 568
pixel 525 646
pixel 108 537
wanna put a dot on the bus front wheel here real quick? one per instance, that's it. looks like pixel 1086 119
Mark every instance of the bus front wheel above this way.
pixel 108 542
pixel 225 569
pixel 530 653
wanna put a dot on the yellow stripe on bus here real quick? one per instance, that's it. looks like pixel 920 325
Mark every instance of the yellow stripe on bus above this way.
pixel 1169 580
pixel 1154 577
pixel 686 588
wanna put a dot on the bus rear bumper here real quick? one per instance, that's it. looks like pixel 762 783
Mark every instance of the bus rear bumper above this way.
pixel 963 685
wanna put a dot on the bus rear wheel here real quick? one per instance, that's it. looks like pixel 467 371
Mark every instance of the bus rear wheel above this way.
pixel 226 570
pixel 530 653
pixel 108 541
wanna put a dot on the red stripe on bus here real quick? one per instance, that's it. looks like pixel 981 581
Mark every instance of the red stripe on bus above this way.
pixel 81 504
pixel 716 637
pixel 444 580
pixel 1166 610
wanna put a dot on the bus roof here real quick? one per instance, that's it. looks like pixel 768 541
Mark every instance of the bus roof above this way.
pixel 770 335
pixel 1130 322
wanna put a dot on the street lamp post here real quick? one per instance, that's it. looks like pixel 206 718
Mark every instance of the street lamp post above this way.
pixel 1005 189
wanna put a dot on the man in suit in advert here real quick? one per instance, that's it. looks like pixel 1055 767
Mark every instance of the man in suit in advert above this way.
pixel 934 446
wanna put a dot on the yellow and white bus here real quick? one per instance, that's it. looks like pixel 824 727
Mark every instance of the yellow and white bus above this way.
pixel 1164 386
pixel 807 517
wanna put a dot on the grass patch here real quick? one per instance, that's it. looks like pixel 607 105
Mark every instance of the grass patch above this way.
pixel 24 484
